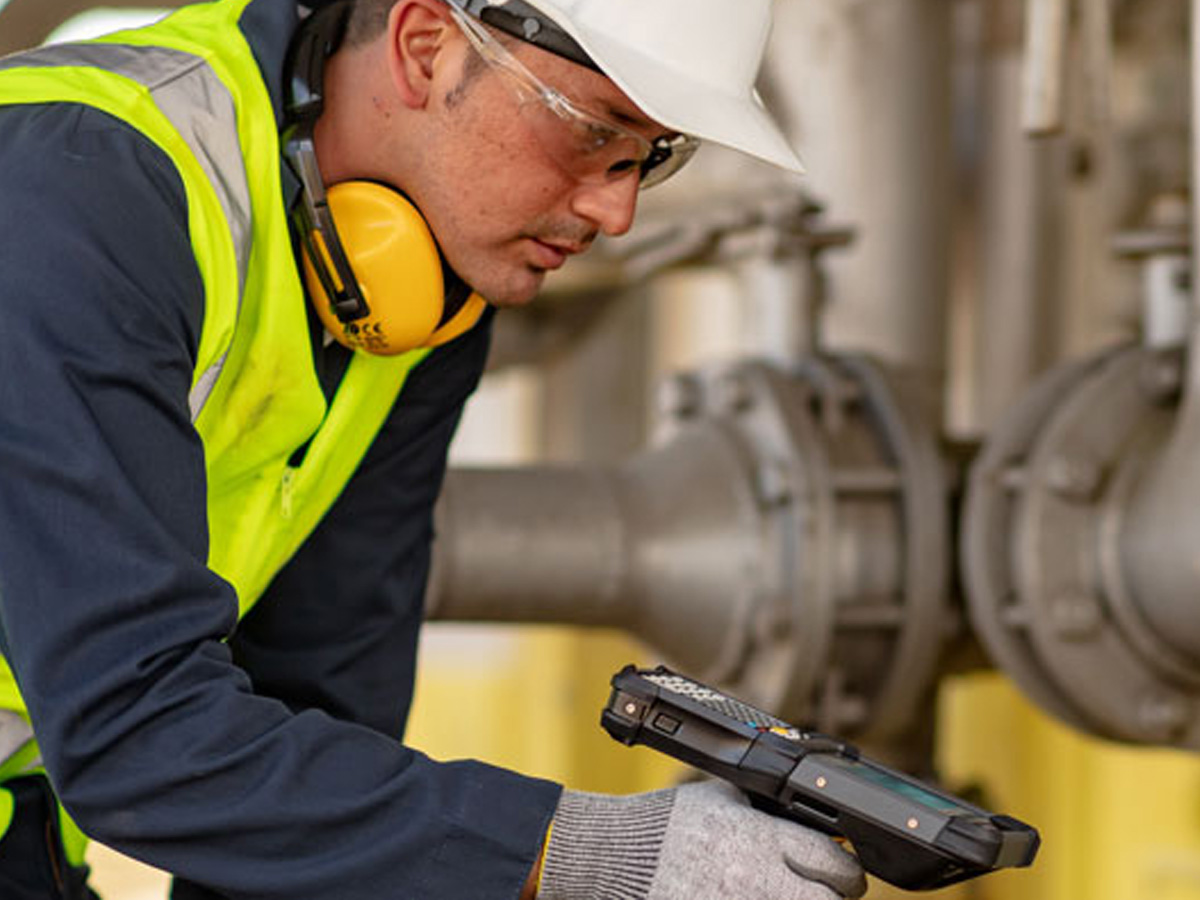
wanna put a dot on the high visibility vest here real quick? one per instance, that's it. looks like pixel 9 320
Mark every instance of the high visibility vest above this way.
pixel 192 86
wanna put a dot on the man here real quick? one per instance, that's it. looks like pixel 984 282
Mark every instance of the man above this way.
pixel 181 441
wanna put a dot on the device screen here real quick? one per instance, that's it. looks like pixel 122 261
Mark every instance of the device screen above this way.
pixel 903 787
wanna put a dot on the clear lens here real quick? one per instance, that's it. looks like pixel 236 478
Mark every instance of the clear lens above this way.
pixel 588 148
pixel 585 147
pixel 668 155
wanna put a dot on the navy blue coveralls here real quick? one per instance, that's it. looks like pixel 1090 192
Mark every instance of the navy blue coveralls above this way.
pixel 311 793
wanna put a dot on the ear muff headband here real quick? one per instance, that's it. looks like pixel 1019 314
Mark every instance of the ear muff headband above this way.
pixel 370 262
pixel 317 39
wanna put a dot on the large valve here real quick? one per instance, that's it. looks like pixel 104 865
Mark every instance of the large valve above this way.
pixel 1075 549
pixel 786 535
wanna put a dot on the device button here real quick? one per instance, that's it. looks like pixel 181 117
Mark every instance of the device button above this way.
pixel 666 724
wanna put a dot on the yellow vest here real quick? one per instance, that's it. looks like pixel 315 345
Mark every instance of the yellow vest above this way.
pixel 192 86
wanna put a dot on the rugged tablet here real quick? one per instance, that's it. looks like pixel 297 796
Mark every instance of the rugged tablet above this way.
pixel 903 831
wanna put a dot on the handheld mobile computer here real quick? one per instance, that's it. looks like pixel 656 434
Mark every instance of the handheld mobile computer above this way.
pixel 904 831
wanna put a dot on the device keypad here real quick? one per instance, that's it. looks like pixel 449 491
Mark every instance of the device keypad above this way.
pixel 735 709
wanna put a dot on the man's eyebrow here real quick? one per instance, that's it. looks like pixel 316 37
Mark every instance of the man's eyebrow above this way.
pixel 624 118
pixel 635 121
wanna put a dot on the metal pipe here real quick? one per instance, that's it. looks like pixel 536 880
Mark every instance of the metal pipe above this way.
pixel 1044 74
pixel 668 546
pixel 865 86
pixel 536 544
pixel 1194 355
pixel 780 308
pixel 1159 542
pixel 1096 25
pixel 1019 201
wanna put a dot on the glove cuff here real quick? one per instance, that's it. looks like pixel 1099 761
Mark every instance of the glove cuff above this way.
pixel 605 847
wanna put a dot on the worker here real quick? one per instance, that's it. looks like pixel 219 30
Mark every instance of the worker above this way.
pixel 245 253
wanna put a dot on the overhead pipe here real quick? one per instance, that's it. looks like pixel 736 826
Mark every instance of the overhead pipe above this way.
pixel 865 90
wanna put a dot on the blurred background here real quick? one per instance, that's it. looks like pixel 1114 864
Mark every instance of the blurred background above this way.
pixel 905 449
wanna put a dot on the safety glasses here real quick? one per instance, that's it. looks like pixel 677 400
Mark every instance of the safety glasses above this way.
pixel 586 147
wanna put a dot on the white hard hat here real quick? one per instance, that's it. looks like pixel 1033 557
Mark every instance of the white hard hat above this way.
pixel 688 64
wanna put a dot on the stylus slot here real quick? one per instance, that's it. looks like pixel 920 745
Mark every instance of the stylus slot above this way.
pixel 810 806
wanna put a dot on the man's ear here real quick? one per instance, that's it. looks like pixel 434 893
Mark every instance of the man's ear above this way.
pixel 418 31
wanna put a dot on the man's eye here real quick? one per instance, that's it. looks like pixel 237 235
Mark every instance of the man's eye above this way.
pixel 623 166
pixel 658 155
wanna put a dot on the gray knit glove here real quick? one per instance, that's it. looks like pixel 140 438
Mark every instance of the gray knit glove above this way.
pixel 696 842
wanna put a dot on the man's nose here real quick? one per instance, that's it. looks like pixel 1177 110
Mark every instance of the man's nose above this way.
pixel 610 205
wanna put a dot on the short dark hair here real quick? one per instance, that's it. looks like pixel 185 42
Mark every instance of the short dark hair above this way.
pixel 368 19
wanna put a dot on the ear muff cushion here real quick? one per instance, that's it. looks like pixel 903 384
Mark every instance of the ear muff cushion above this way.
pixel 396 263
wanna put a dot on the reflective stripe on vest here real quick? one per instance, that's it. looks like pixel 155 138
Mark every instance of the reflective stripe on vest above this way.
pixel 16 738
pixel 195 102
pixel 192 86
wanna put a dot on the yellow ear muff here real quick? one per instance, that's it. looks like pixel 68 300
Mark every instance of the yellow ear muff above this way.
pixel 396 264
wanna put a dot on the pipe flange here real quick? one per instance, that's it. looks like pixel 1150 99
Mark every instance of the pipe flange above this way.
pixel 789 647
pixel 994 488
pixel 848 467
pixel 1065 628
pixel 927 619
pixel 1090 643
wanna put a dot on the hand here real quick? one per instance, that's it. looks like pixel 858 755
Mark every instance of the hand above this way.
pixel 696 842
